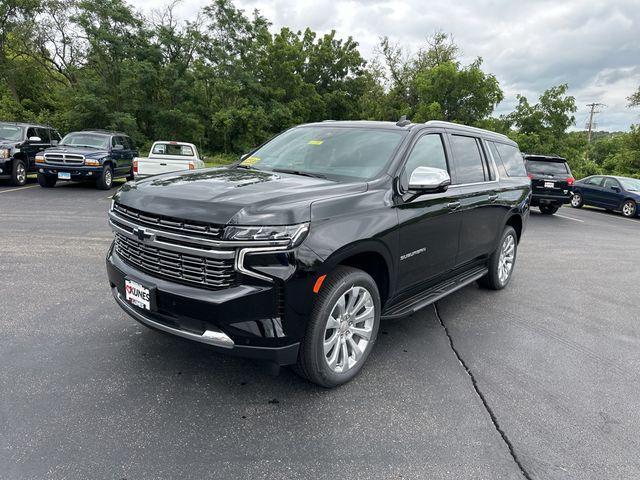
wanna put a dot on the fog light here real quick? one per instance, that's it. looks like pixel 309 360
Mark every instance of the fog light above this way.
pixel 41 170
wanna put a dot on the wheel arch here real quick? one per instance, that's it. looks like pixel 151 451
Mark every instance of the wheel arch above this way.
pixel 515 221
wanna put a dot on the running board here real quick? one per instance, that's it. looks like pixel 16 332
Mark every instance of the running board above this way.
pixel 433 294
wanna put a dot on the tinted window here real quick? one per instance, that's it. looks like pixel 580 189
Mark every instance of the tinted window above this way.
pixel 610 182
pixel 427 152
pixel 173 149
pixel 547 168
pixel 596 181
pixel 334 152
pixel 31 132
pixel 118 141
pixel 498 160
pixel 54 135
pixel 43 133
pixel 468 159
pixel 129 143
pixel 511 160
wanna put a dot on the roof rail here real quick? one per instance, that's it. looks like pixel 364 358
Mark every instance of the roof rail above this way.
pixel 443 124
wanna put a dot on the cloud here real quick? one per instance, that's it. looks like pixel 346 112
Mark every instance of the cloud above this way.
pixel 529 46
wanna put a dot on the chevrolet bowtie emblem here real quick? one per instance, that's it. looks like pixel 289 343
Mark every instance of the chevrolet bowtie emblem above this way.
pixel 141 233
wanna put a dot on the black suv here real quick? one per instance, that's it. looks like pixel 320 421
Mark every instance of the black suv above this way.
pixel 97 155
pixel 294 254
pixel 19 143
pixel 551 182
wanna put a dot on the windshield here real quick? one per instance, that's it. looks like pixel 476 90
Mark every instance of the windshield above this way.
pixel 547 168
pixel 630 184
pixel 172 149
pixel 80 139
pixel 332 152
pixel 11 132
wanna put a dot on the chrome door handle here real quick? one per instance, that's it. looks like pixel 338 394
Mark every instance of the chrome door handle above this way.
pixel 453 205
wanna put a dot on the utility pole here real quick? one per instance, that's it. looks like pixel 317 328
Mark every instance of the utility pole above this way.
pixel 593 111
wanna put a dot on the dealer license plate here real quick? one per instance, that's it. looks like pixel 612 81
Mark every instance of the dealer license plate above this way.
pixel 549 185
pixel 64 175
pixel 137 294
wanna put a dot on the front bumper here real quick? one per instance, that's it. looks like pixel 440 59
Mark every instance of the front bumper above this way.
pixel 6 168
pixel 78 172
pixel 243 320
pixel 547 199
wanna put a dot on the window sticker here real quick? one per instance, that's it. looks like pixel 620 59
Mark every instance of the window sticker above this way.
pixel 316 142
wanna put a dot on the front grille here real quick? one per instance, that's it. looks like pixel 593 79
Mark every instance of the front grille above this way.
pixel 179 267
pixel 64 159
pixel 199 229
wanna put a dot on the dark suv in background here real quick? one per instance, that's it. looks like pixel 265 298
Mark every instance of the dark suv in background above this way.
pixel 97 155
pixel 19 144
pixel 295 254
pixel 551 182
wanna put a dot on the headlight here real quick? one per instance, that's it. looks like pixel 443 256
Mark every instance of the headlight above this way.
pixel 285 234
pixel 39 158
pixel 91 162
pixel 4 153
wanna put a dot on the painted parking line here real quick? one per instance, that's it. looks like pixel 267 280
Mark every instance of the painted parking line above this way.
pixel 19 188
pixel 570 218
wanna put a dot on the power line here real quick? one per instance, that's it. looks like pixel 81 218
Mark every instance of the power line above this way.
pixel 591 125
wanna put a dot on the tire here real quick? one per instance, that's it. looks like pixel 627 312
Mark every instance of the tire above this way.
pixel 338 289
pixel 495 280
pixel 18 173
pixel 576 200
pixel 629 208
pixel 47 181
pixel 548 209
pixel 105 180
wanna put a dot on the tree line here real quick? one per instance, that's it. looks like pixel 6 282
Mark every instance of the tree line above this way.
pixel 225 81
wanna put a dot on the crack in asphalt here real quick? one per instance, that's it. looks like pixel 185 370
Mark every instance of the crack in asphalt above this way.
pixel 476 387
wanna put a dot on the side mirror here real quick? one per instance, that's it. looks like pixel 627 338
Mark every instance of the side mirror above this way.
pixel 118 147
pixel 615 189
pixel 54 143
pixel 35 139
pixel 429 180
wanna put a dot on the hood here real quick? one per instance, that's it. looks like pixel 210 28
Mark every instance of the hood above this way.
pixel 87 152
pixel 232 196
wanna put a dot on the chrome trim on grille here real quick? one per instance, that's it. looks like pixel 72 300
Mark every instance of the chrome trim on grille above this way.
pixel 64 159
pixel 210 337
pixel 245 251
pixel 192 270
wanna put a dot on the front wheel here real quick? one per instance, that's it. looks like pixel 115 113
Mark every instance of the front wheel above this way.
pixel 502 261
pixel 19 173
pixel 548 209
pixel 629 208
pixel 47 181
pixel 342 328
pixel 577 201
pixel 105 180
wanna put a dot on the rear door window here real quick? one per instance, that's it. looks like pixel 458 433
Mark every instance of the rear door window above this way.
pixel 510 158
pixel 547 168
pixel 593 181
pixel 467 156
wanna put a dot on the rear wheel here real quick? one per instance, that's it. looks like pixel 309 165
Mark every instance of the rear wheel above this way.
pixel 105 180
pixel 548 209
pixel 342 328
pixel 47 181
pixel 629 208
pixel 576 200
pixel 19 173
pixel 502 261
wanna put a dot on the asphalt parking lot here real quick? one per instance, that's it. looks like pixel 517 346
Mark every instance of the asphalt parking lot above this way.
pixel 539 381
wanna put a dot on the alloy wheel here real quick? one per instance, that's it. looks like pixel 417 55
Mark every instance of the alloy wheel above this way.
pixel 349 329
pixel 21 173
pixel 507 257
pixel 107 177
pixel 575 200
pixel 628 209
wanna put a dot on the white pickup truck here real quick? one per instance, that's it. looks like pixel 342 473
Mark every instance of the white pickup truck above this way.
pixel 167 157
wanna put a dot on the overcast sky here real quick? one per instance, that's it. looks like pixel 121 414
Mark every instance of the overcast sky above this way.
pixel 531 45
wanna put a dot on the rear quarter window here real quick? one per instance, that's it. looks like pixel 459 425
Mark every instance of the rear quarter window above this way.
pixel 509 159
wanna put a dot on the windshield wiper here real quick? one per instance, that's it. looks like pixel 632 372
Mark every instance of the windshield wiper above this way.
pixel 299 172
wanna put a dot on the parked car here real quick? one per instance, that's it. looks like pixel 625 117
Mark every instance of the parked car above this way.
pixel 167 157
pixel 19 143
pixel 97 155
pixel 620 194
pixel 295 253
pixel 551 182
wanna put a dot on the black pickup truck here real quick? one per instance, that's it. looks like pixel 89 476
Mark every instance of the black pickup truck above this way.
pixel 294 254
pixel 19 144
pixel 90 155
